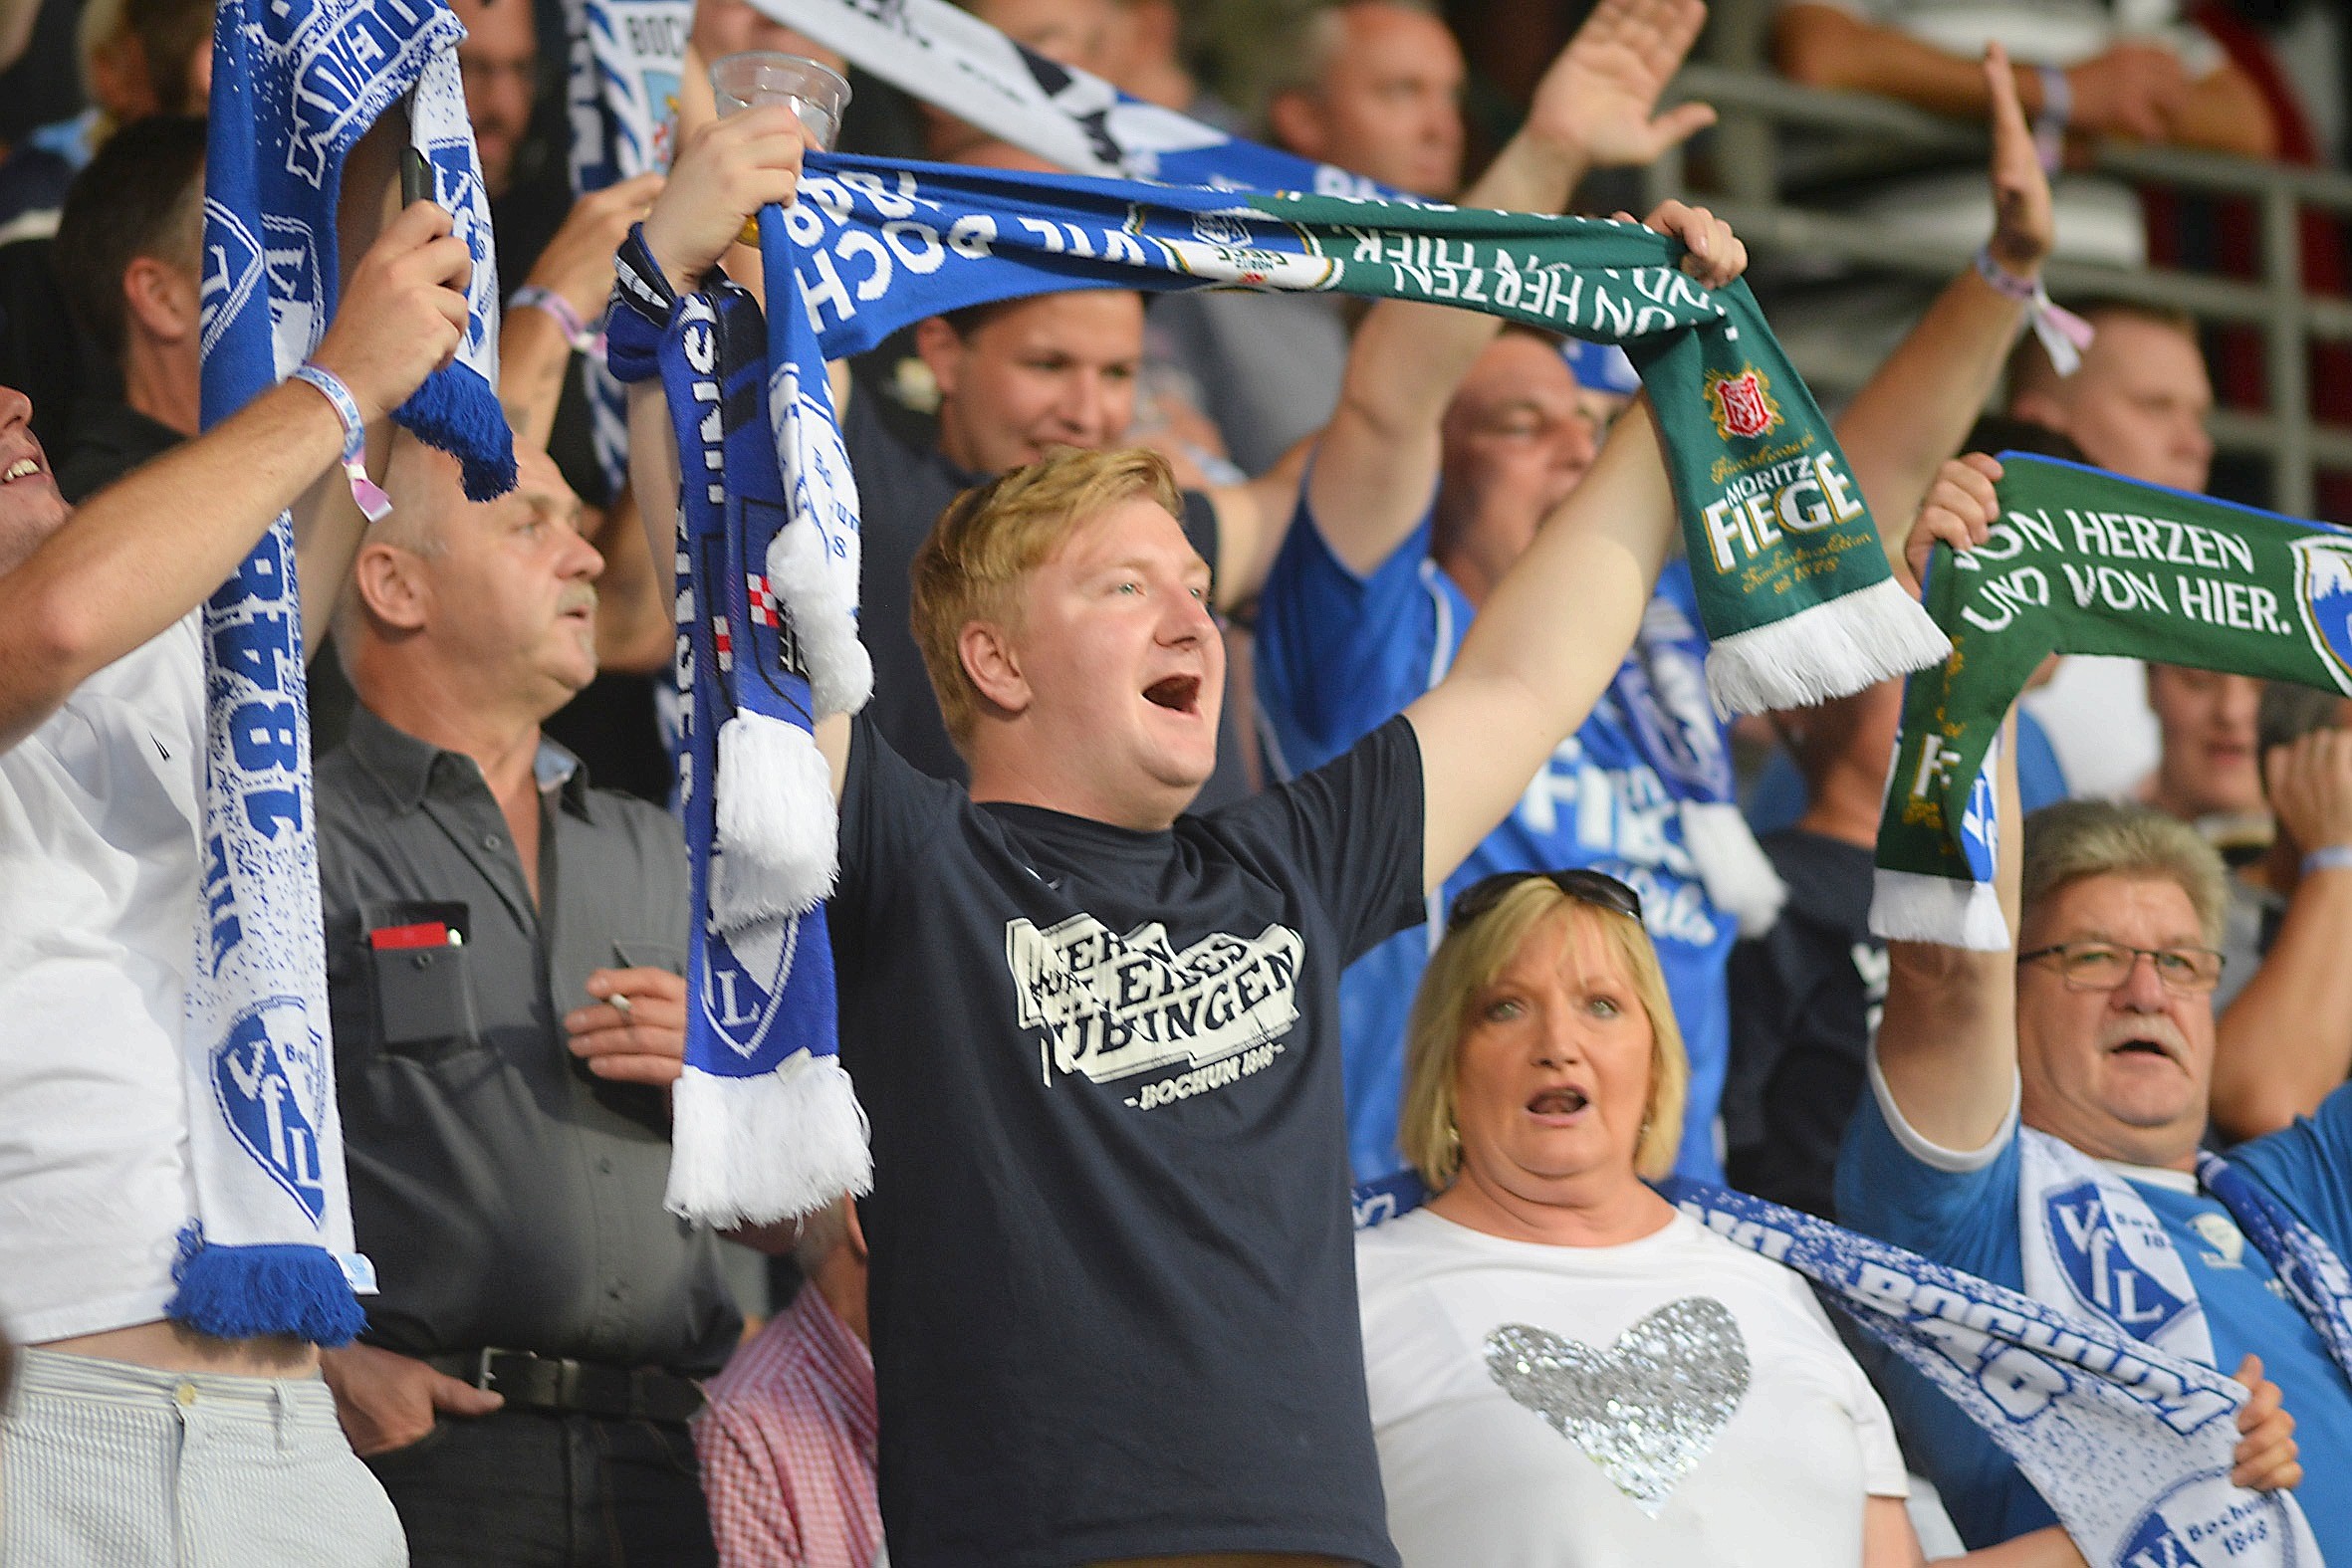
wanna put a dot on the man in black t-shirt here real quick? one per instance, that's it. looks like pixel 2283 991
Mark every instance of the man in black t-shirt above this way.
pixel 1113 1305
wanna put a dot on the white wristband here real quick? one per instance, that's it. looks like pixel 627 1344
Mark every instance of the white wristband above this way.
pixel 370 496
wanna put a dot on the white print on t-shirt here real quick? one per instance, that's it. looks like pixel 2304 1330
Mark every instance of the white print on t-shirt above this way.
pixel 1113 1007
pixel 1871 968
pixel 1624 813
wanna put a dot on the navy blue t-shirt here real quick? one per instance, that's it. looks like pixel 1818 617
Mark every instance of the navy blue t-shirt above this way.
pixel 1962 1210
pixel 1113 1278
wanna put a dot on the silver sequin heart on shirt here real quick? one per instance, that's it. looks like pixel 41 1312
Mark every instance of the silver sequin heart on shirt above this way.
pixel 1647 1408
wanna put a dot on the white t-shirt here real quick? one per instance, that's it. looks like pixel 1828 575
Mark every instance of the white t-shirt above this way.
pixel 98 908
pixel 1674 1400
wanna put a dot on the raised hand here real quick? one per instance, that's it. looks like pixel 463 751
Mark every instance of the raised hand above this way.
pixel 1715 256
pixel 578 262
pixel 2309 781
pixel 1959 510
pixel 2133 90
pixel 402 314
pixel 2023 227
pixel 1598 100
pixel 726 171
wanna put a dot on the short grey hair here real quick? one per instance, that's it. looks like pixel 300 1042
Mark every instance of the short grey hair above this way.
pixel 1304 55
pixel 2073 839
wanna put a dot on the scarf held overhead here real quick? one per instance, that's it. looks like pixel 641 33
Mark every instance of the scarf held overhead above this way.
pixel 2082 562
pixel 623 95
pixel 1792 581
pixel 293 86
pixel 1787 569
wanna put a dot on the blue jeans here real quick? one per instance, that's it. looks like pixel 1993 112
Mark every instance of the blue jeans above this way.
pixel 528 1489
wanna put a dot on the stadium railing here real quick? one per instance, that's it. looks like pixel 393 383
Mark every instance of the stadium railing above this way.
pixel 1743 170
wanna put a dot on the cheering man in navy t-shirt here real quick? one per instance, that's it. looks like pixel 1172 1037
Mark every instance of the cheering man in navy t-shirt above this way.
pixel 1113 1303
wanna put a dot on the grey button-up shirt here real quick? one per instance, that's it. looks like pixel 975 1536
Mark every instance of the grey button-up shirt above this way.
pixel 507 1196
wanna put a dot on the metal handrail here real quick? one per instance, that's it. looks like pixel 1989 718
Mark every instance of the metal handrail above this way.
pixel 1745 191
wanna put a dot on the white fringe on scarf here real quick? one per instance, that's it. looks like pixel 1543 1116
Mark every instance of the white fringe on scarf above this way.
pixel 1831 650
pixel 825 620
pixel 778 850
pixel 1912 906
pixel 753 1151
pixel 1739 877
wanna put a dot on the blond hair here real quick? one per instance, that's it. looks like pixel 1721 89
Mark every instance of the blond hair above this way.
pixel 1465 963
pixel 970 567
pixel 2073 839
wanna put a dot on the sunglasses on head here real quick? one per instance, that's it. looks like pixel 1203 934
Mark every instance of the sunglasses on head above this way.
pixel 1586 887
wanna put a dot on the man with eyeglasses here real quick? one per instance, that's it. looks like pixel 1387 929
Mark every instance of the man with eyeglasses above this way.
pixel 2035 1118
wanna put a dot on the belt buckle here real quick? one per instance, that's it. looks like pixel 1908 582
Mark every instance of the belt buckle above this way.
pixel 482 1372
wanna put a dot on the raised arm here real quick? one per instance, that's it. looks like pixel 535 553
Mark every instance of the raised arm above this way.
pixel 1917 408
pixel 2136 89
pixel 1377 462
pixel 147 550
pixel 2285 1040
pixel 1948 1039
pixel 726 170
pixel 1545 645
pixel 534 342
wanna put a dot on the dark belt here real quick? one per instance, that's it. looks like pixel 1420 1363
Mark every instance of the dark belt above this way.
pixel 588 1387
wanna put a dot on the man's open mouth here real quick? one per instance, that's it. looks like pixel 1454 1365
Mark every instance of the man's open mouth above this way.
pixel 2140 1047
pixel 1177 694
pixel 22 468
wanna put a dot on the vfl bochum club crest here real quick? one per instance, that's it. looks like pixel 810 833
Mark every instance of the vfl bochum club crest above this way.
pixel 269 1075
pixel 1743 405
pixel 2100 1272
pixel 745 972
pixel 2323 594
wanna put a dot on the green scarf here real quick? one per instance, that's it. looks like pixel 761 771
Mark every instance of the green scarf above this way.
pixel 2082 562
pixel 1792 582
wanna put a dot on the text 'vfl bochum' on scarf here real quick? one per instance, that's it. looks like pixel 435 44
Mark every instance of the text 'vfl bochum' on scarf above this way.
pixel 295 84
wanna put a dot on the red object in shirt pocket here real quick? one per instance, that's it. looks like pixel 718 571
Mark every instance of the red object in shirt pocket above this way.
pixel 424 934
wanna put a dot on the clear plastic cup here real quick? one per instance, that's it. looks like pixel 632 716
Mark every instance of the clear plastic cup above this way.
pixel 816 92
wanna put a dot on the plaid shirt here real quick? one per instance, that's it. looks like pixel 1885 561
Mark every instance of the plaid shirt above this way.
pixel 788 1445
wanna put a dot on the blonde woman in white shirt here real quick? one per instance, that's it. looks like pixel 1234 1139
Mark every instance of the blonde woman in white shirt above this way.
pixel 1565 1370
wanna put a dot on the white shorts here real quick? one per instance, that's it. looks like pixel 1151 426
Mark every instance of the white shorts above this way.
pixel 102 1462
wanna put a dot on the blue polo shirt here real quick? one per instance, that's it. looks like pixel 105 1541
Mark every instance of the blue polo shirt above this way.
pixel 1962 1209
pixel 1340 654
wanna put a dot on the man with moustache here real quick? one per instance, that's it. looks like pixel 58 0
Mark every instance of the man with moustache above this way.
pixel 505 956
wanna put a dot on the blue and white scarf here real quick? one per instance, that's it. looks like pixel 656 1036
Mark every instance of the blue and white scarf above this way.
pixel 765 1123
pixel 951 59
pixel 2130 1444
pixel 622 96
pixel 2090 1241
pixel 295 84
pixel 870 247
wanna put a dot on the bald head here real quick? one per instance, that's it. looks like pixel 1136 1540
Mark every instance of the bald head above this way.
pixel 462 611
pixel 2139 403
pixel 1378 92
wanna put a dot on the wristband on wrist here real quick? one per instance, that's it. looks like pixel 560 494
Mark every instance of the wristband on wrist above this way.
pixel 2057 108
pixel 639 281
pixel 372 501
pixel 577 332
pixel 2329 857
pixel 2064 335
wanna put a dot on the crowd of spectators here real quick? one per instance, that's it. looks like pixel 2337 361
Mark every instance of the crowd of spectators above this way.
pixel 1418 680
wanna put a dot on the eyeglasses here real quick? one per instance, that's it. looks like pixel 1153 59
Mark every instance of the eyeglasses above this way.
pixel 2103 966
pixel 1586 887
